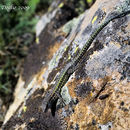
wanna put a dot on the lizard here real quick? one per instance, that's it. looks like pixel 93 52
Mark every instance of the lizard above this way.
pixel 51 98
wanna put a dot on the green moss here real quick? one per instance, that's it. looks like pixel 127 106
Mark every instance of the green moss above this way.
pixel 68 26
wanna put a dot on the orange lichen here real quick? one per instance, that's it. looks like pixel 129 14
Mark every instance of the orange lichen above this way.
pixel 71 86
pixel 40 75
pixel 53 49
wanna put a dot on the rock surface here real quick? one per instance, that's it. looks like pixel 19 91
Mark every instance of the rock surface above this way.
pixel 99 88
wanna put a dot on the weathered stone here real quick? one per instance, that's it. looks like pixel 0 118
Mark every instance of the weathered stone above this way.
pixel 104 103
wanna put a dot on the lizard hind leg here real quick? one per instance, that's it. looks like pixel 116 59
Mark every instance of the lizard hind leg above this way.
pixel 52 103
pixel 60 97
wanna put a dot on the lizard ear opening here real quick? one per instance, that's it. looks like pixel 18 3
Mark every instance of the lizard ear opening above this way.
pixel 53 106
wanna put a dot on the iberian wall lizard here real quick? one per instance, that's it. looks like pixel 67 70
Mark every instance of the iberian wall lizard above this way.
pixel 51 97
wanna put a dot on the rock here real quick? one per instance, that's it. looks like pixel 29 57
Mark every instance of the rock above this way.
pixel 3 110
pixel 97 93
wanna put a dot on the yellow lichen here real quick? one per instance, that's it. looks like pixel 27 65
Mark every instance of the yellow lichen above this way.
pixel 37 40
pixel 76 49
pixel 61 5
pixel 89 1
pixel 25 108
pixel 69 57
pixel 75 42
pixel 94 19
pixel 65 48
pixel 57 57
pixel 91 94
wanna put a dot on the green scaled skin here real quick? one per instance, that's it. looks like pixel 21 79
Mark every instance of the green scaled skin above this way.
pixel 52 97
